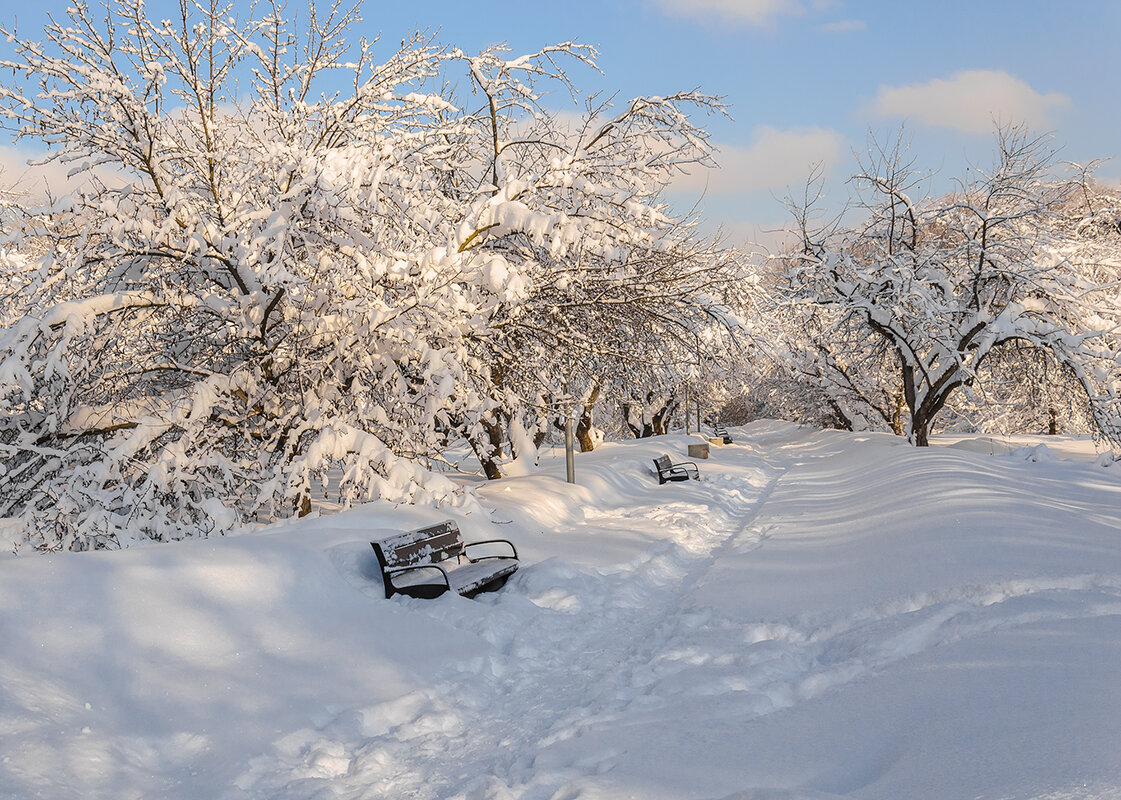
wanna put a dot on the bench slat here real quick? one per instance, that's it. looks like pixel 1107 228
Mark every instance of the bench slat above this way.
pixel 406 537
pixel 435 543
pixel 422 551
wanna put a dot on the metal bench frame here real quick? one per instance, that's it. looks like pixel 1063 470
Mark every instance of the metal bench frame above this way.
pixel 440 549
pixel 668 471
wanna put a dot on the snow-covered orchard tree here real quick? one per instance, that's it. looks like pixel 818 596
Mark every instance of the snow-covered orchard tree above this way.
pixel 599 279
pixel 910 302
pixel 293 254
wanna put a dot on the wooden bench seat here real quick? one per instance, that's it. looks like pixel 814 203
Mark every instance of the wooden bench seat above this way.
pixel 430 561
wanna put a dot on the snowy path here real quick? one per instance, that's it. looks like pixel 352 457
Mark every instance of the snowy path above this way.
pixel 573 650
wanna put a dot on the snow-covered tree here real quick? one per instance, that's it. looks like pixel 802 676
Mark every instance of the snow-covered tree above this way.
pixel 610 281
pixel 298 254
pixel 912 301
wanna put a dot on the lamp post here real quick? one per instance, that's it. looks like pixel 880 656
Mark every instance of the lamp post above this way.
pixel 569 448
pixel 697 352
pixel 569 451
pixel 687 431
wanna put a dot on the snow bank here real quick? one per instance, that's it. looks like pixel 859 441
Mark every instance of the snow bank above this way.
pixel 822 615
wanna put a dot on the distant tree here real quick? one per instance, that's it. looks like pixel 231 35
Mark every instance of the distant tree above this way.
pixel 913 300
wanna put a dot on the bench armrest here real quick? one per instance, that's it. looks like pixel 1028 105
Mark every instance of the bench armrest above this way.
pixel 685 466
pixel 490 541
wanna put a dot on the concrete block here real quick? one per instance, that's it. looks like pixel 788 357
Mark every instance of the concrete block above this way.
pixel 698 450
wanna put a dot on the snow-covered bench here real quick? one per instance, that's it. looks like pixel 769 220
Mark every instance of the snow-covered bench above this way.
pixel 668 471
pixel 718 429
pixel 430 561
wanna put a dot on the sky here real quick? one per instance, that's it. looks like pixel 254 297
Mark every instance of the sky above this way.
pixel 807 81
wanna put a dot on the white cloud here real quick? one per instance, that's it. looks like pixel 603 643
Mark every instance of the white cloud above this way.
pixel 757 13
pixel 777 159
pixel 759 237
pixel 844 26
pixel 17 175
pixel 35 182
pixel 971 101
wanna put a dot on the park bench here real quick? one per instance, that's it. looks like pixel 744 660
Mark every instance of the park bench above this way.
pixel 668 471
pixel 430 561
pixel 719 430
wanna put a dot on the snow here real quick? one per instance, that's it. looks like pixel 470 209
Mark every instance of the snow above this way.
pixel 824 614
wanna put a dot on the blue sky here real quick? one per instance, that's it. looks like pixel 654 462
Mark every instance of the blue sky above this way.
pixel 807 80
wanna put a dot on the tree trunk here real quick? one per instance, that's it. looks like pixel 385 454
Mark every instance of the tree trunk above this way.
pixel 659 420
pixel 897 414
pixel 584 425
pixel 490 467
pixel 539 435
pixel 839 420
pixel 662 417
pixel 636 432
pixel 626 409
pixel 489 452
pixel 922 418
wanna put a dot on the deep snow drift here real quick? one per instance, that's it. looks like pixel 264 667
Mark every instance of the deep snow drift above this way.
pixel 823 615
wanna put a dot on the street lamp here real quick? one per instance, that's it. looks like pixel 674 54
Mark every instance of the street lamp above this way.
pixel 569 404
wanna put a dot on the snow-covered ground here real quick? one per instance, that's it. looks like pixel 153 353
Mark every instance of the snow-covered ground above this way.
pixel 823 615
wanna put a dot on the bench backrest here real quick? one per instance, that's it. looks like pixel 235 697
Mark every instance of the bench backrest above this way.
pixel 422 546
pixel 663 463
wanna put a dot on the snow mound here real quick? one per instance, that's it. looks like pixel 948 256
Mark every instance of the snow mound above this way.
pixel 1034 454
